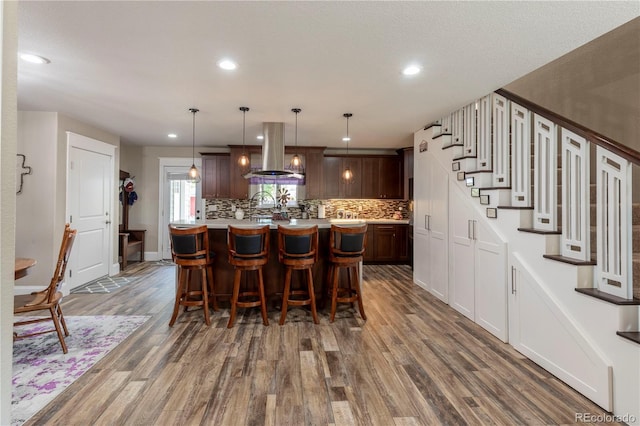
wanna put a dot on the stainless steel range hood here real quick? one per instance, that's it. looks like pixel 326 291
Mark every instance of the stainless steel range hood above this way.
pixel 273 154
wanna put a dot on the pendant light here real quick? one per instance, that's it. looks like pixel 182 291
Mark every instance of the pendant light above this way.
pixel 243 161
pixel 296 162
pixel 194 173
pixel 347 174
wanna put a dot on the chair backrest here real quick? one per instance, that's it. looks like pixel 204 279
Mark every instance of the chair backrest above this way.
pixel 190 246
pixel 248 243
pixel 298 243
pixel 348 241
pixel 68 237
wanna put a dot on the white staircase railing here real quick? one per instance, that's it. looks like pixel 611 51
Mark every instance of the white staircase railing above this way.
pixel 484 133
pixel 501 166
pixel 457 125
pixel 545 184
pixel 469 130
pixel 613 212
pixel 575 197
pixel 520 156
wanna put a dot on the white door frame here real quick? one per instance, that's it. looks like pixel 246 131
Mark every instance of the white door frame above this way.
pixel 89 144
pixel 173 162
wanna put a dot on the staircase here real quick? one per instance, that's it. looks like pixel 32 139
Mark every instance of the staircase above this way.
pixel 574 264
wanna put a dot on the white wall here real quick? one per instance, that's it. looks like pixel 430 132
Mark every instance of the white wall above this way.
pixel 8 89
pixel 41 208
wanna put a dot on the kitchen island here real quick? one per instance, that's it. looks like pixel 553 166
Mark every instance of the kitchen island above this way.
pixel 274 271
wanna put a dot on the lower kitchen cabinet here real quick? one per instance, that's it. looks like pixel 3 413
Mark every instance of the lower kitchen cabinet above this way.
pixel 387 244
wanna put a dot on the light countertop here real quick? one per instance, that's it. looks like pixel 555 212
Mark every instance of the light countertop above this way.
pixel 322 223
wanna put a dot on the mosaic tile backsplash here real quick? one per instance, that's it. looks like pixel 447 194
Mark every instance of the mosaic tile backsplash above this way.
pixel 362 209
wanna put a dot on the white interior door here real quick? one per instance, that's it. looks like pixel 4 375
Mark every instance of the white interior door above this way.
pixel 462 263
pixel 180 199
pixel 90 177
pixel 439 232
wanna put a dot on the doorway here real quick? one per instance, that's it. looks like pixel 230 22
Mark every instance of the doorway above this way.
pixel 90 178
pixel 179 200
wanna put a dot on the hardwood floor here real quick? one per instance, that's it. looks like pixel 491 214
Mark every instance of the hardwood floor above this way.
pixel 415 361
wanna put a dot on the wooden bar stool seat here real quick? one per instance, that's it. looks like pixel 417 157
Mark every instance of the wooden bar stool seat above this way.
pixel 298 250
pixel 190 252
pixel 346 250
pixel 248 251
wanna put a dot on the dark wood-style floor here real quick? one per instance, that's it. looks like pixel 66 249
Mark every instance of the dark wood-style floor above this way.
pixel 415 361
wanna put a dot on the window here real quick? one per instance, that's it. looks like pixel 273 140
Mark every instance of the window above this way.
pixel 295 188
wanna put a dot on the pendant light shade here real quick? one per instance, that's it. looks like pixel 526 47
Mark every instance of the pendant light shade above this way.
pixel 296 162
pixel 347 174
pixel 194 173
pixel 243 161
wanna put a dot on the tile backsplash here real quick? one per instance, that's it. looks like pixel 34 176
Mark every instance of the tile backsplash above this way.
pixel 364 208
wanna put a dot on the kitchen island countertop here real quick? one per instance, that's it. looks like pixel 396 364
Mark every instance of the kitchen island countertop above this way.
pixel 322 223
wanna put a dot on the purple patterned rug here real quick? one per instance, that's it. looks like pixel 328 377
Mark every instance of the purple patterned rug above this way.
pixel 41 371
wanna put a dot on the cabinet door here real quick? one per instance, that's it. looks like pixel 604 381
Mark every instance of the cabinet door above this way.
pixel 370 247
pixel 352 189
pixel 313 173
pixel 402 242
pixel 462 269
pixel 385 249
pixel 209 170
pixel 490 281
pixel 332 178
pixel 222 177
pixel 421 187
pixel 438 223
pixel 390 173
pixel 420 258
pixel 371 177
pixel 238 185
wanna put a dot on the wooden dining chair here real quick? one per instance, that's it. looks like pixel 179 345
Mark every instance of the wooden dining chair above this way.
pixel 49 298
pixel 190 252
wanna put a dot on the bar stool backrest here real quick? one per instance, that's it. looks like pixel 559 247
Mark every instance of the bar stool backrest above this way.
pixel 348 241
pixel 298 243
pixel 248 243
pixel 190 246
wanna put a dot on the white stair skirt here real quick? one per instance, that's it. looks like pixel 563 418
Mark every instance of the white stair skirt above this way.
pixel 545 189
pixel 520 156
pixel 484 134
pixel 501 164
pixel 469 131
pixel 575 197
pixel 614 272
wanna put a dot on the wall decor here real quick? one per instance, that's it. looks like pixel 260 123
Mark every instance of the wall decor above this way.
pixel 475 192
pixel 455 166
pixel 492 212
pixel 484 199
pixel 460 176
pixel 469 181
pixel 27 171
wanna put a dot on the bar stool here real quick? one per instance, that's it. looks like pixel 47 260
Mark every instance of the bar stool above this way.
pixel 346 249
pixel 248 251
pixel 298 250
pixel 190 251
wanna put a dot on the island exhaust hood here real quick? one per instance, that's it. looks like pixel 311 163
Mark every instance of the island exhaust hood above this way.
pixel 273 154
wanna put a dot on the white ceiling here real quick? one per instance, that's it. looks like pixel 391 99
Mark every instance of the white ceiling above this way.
pixel 134 68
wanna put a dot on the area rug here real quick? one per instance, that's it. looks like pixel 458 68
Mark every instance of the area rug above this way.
pixel 102 285
pixel 41 371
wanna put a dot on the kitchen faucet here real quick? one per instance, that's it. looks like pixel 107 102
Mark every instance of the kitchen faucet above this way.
pixel 262 196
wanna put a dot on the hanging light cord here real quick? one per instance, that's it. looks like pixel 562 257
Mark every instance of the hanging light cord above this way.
pixel 193 137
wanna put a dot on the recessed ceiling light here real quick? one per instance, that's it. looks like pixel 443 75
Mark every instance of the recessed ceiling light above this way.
pixel 34 59
pixel 412 70
pixel 172 135
pixel 227 64
pixel 260 137
pixel 346 139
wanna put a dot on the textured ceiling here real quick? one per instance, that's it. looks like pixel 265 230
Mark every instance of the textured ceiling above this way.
pixel 134 68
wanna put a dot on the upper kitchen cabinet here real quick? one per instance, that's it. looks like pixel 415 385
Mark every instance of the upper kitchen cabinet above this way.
pixel 313 172
pixel 239 186
pixel 333 184
pixel 382 177
pixel 215 176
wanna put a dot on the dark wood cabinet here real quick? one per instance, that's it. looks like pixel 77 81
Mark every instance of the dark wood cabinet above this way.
pixel 387 244
pixel 215 176
pixel 382 177
pixel 407 172
pixel 238 184
pixel 333 184
pixel 313 168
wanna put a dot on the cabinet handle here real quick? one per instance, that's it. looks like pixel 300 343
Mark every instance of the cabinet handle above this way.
pixel 513 280
pixel 475 235
pixel 425 222
pixel 469 229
